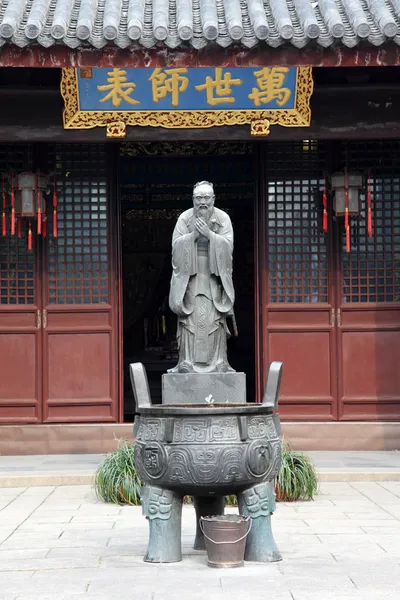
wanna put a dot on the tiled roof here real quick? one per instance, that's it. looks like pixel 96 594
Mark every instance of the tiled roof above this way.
pixel 198 23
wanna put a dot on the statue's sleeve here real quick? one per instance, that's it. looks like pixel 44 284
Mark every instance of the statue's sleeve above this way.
pixel 183 266
pixel 221 251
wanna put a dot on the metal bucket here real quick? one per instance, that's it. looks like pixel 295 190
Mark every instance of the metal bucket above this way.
pixel 225 539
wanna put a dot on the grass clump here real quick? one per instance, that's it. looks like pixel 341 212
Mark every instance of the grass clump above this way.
pixel 298 478
pixel 116 479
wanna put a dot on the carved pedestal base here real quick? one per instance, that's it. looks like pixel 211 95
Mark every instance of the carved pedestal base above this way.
pixel 163 509
pixel 194 388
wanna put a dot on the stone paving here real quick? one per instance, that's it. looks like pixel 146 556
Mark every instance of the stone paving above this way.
pixel 61 543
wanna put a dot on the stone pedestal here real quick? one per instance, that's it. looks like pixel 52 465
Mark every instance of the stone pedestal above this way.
pixel 203 388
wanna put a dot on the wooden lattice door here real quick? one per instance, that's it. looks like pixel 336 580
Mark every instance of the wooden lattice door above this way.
pixel 368 290
pixel 20 302
pixel 297 295
pixel 331 316
pixel 58 301
pixel 79 334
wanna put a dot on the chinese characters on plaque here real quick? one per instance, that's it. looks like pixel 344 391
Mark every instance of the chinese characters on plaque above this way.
pixel 186 89
pixel 186 97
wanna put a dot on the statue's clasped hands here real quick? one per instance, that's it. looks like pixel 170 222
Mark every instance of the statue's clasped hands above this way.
pixel 202 228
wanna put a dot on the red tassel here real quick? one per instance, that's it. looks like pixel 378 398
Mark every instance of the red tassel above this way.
pixel 39 207
pixel 4 220
pixel 19 228
pixel 348 239
pixel 369 203
pixel 55 223
pixel 29 236
pixel 55 209
pixel 44 228
pixel 12 206
pixel 325 203
pixel 346 211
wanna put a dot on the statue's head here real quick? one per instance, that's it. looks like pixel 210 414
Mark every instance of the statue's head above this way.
pixel 203 199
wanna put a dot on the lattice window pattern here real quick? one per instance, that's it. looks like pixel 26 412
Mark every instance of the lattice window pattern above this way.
pixel 371 271
pixel 17 263
pixel 78 258
pixel 297 248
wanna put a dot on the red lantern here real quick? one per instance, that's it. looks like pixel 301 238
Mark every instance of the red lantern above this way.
pixel 27 192
pixel 347 187
pixel 30 203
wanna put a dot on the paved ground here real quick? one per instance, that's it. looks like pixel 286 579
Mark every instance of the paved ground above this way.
pixel 60 543
pixel 72 469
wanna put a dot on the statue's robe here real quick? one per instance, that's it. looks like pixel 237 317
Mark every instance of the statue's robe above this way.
pixel 202 292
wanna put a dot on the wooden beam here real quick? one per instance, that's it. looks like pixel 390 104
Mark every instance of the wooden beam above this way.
pixel 358 112
pixel 112 56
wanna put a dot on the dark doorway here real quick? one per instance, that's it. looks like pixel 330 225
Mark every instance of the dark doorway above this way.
pixel 156 182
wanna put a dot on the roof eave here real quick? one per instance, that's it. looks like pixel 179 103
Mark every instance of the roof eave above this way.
pixel 60 56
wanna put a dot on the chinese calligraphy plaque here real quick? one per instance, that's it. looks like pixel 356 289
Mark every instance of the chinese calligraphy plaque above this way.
pixel 186 98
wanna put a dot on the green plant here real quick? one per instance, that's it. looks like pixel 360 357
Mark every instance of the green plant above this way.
pixel 116 479
pixel 297 479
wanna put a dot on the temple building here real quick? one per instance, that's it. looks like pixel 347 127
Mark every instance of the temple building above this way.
pixel 110 112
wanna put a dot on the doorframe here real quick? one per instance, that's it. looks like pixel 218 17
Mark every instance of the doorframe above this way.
pixel 260 269
pixel 115 262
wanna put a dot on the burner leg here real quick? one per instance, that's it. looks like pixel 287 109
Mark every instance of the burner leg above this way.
pixel 206 506
pixel 163 510
pixel 258 503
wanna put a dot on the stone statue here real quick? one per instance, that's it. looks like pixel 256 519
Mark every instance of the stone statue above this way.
pixel 202 293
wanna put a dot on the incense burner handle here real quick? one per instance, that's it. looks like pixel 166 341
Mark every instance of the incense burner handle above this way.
pixel 272 387
pixel 140 385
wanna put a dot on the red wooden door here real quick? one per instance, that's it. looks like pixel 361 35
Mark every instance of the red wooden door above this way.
pixel 297 323
pixel 368 292
pixel 20 333
pixel 80 372
pixel 58 345
pixel 332 317
pixel 20 304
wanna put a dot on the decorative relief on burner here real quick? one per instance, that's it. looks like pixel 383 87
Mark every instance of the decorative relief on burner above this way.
pixel 157 503
pixel 231 461
pixel 260 427
pixel 258 457
pixel 191 430
pixel 259 501
pixel 222 430
pixel 150 460
pixel 151 430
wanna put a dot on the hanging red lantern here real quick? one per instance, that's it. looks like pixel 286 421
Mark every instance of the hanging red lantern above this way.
pixel 30 203
pixel 325 205
pixel 369 208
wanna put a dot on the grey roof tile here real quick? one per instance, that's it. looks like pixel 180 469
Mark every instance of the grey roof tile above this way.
pixel 198 23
